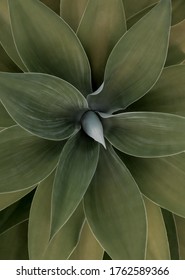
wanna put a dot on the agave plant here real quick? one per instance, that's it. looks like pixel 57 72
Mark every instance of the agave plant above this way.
pixel 92 140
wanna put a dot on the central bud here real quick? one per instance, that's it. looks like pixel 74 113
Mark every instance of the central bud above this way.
pixel 92 126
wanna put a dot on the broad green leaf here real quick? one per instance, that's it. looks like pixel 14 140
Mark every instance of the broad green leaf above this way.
pixel 15 213
pixel 6 38
pixel 53 4
pixel 72 11
pixel 180 226
pixel 25 159
pixel 114 209
pixel 39 227
pixel 146 134
pixel 106 22
pixel 6 199
pixel 128 73
pixel 157 244
pixel 172 234
pixel 6 64
pixel 42 104
pixel 161 179
pixel 176 51
pixel 88 247
pixel 75 170
pixel 5 119
pixel 133 7
pixel 13 243
pixel 48 48
pixel 167 95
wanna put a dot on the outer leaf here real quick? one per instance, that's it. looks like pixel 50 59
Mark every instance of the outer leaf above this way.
pixel 15 213
pixel 167 95
pixel 75 170
pixel 157 245
pixel 25 159
pixel 146 134
pixel 176 51
pixel 5 119
pixel 180 226
pixel 53 4
pixel 44 105
pixel 6 38
pixel 106 21
pixel 162 180
pixel 63 55
pixel 13 243
pixel 72 11
pixel 114 209
pixel 7 199
pixel 88 247
pixel 6 64
pixel 128 73
pixel 172 234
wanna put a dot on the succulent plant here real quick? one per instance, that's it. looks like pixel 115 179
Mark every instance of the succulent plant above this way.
pixel 92 120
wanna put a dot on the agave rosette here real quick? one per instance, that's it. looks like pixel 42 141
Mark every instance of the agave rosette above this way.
pixel 97 124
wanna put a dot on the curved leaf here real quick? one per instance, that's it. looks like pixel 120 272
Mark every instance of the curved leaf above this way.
pixel 133 7
pixel 157 244
pixel 161 179
pixel 72 11
pixel 167 95
pixel 13 243
pixel 180 227
pixel 106 21
pixel 42 104
pixel 146 134
pixel 5 119
pixel 88 247
pixel 75 170
pixel 6 37
pixel 176 51
pixel 25 159
pixel 49 48
pixel 114 209
pixel 128 73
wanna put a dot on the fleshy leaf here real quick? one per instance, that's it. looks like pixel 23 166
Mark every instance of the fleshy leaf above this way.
pixel 106 22
pixel 157 245
pixel 146 134
pixel 88 247
pixel 128 73
pixel 42 104
pixel 6 38
pixel 25 159
pixel 180 226
pixel 167 95
pixel 161 179
pixel 75 170
pixel 48 48
pixel 72 11
pixel 114 209
pixel 133 7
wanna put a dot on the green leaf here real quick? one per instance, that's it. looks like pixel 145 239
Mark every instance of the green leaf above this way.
pixel 161 180
pixel 6 199
pixel 88 247
pixel 114 209
pixel 128 73
pixel 6 38
pixel 42 104
pixel 167 95
pixel 15 213
pixel 6 64
pixel 157 245
pixel 25 159
pixel 75 170
pixel 106 21
pixel 180 227
pixel 176 51
pixel 13 243
pixel 178 8
pixel 172 234
pixel 40 218
pixel 54 5
pixel 133 7
pixel 72 11
pixel 49 48
pixel 5 119
pixel 146 134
